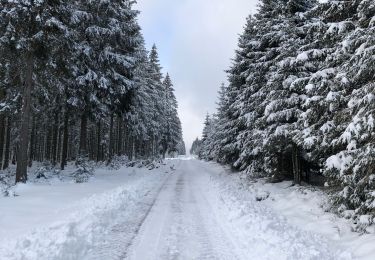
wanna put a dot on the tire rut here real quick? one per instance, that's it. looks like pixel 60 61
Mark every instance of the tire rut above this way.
pixel 143 219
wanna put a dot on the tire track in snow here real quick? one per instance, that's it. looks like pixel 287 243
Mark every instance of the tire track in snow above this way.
pixel 180 225
pixel 126 224
pixel 221 244
pixel 143 219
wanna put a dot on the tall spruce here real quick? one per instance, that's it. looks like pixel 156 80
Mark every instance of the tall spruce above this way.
pixel 299 103
pixel 76 82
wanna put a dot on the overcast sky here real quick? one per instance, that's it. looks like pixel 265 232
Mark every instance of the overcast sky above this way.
pixel 196 41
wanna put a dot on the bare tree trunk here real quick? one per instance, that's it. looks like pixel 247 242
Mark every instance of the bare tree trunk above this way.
pixel 14 155
pixel 32 143
pixel 91 144
pixel 48 144
pixel 2 138
pixel 131 151
pixel 2 131
pixel 296 166
pixel 153 147
pixel 110 147
pixel 64 152
pixel 98 140
pixel 83 136
pixel 59 141
pixel 21 171
pixel 55 134
pixel 7 144
pixel 119 131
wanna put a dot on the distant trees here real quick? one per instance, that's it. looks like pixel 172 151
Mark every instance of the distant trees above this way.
pixel 196 146
pixel 300 98
pixel 181 148
pixel 76 83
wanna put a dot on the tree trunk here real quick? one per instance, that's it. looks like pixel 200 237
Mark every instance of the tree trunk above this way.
pixel 2 138
pixel 153 147
pixel 83 136
pixel 119 131
pixel 14 155
pixel 64 152
pixel 91 144
pixel 21 171
pixel 2 131
pixel 296 166
pixel 47 144
pixel 110 146
pixel 98 140
pixel 7 144
pixel 59 141
pixel 32 144
pixel 54 139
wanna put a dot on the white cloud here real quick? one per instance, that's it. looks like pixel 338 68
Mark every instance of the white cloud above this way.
pixel 196 40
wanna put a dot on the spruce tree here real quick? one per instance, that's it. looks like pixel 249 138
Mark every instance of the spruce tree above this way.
pixel 76 82
pixel 27 29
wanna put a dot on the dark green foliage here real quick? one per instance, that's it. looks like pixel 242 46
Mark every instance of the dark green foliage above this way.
pixel 92 91
pixel 300 99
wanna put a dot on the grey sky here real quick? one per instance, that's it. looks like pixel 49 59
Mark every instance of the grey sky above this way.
pixel 196 41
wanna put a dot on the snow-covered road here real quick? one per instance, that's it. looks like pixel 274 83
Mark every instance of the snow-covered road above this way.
pixel 201 214
pixel 186 210
pixel 181 223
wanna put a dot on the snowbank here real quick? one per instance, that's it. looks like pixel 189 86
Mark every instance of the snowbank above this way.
pixel 304 208
pixel 65 220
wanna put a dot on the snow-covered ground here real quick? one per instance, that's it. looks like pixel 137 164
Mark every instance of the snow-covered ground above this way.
pixel 65 220
pixel 187 209
pixel 307 209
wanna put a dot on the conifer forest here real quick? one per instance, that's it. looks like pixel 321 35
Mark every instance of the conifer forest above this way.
pixel 77 83
pixel 112 145
pixel 300 99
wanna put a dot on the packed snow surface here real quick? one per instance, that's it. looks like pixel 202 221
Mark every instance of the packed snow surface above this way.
pixel 186 209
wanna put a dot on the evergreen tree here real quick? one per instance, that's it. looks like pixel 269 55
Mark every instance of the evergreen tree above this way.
pixel 76 82
pixel 26 30
pixel 234 118
pixel 172 134
pixel 351 157
pixel 157 77
pixel 196 147
pixel 299 99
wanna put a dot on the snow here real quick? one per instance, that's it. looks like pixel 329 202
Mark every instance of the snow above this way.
pixel 307 210
pixel 332 96
pixel 340 162
pixel 309 87
pixel 372 21
pixel 302 56
pixel 65 220
pixel 339 27
pixel 186 209
pixel 202 213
